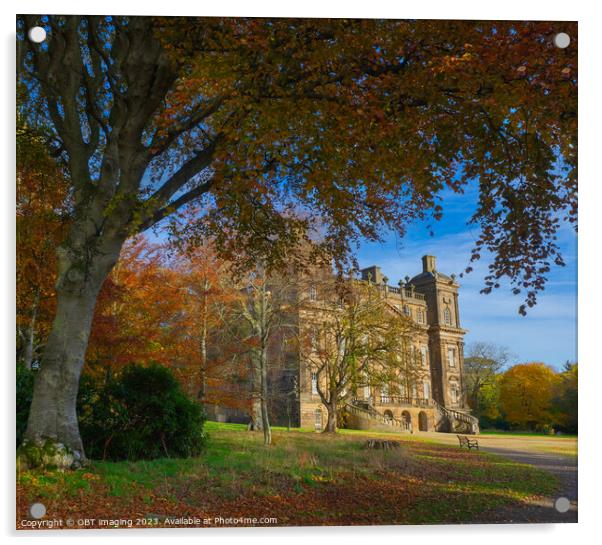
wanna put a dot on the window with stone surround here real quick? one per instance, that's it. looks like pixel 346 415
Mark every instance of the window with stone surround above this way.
pixel 420 316
pixel 451 357
pixel 314 338
pixel 447 319
pixel 313 293
pixel 314 383
pixel 384 394
pixel 426 387
pixel 454 391
pixel 424 356
pixel 318 417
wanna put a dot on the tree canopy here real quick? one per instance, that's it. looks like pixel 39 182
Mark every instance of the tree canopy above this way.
pixel 281 127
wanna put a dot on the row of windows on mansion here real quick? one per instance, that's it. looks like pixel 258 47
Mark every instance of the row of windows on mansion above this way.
pixel 418 314
pixel 419 390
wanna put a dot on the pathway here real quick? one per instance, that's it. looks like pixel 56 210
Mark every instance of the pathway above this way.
pixel 549 454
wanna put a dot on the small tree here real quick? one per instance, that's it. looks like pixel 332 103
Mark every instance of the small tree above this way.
pixel 265 310
pixel 208 288
pixel 482 365
pixel 360 341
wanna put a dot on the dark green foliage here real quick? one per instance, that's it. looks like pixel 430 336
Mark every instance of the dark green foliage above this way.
pixel 565 402
pixel 140 414
pixel 24 395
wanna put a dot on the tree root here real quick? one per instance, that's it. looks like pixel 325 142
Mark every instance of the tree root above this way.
pixel 48 454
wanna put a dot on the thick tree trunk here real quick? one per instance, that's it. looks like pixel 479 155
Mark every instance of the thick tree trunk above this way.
pixel 52 416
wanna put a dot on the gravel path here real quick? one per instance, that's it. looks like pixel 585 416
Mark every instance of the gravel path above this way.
pixel 541 510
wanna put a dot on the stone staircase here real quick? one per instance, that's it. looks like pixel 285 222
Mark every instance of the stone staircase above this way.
pixel 456 421
pixel 363 409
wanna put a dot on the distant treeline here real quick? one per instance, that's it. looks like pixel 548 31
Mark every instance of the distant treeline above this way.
pixel 527 396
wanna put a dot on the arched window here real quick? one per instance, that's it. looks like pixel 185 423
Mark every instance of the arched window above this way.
pixel 447 320
pixel 423 421
pixel 313 293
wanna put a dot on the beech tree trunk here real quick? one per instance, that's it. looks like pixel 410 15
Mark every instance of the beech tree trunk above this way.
pixel 53 415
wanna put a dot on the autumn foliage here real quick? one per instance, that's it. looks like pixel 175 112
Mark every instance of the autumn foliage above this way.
pixel 42 200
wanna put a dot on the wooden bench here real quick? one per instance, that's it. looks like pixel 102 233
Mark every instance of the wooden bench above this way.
pixel 468 443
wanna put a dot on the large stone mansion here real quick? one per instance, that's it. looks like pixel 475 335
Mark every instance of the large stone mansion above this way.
pixel 436 400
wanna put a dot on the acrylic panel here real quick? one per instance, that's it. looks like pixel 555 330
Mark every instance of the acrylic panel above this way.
pixel 295 272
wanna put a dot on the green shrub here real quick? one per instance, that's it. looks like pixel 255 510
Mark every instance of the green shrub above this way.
pixel 140 414
pixel 24 395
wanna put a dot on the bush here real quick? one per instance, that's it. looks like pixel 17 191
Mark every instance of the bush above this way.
pixel 140 414
pixel 24 395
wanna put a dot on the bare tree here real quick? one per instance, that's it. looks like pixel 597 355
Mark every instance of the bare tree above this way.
pixel 267 310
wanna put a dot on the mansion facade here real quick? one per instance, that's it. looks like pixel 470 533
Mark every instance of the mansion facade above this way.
pixel 436 401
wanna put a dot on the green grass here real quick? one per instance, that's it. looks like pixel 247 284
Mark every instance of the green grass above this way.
pixel 334 479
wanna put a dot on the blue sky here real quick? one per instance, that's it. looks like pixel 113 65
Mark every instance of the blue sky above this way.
pixel 549 331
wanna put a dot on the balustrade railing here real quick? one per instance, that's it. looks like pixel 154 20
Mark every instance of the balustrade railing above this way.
pixel 403 400
pixel 404 292
pixel 368 411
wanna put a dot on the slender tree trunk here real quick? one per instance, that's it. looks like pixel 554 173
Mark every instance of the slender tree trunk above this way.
pixel 31 333
pixel 256 416
pixel 203 343
pixel 52 416
pixel 267 431
pixel 331 423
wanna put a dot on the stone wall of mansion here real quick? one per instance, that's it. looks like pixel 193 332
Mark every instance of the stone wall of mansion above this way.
pixel 430 299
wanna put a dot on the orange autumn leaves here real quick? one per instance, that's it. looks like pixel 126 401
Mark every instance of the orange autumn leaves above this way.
pixel 162 305
pixel 42 199
pixel 530 395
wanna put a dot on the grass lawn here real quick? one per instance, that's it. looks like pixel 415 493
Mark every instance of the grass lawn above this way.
pixel 303 479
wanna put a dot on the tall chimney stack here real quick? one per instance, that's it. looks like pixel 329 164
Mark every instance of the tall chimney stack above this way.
pixel 428 263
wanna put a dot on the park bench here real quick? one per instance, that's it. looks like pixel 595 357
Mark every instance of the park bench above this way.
pixel 468 443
